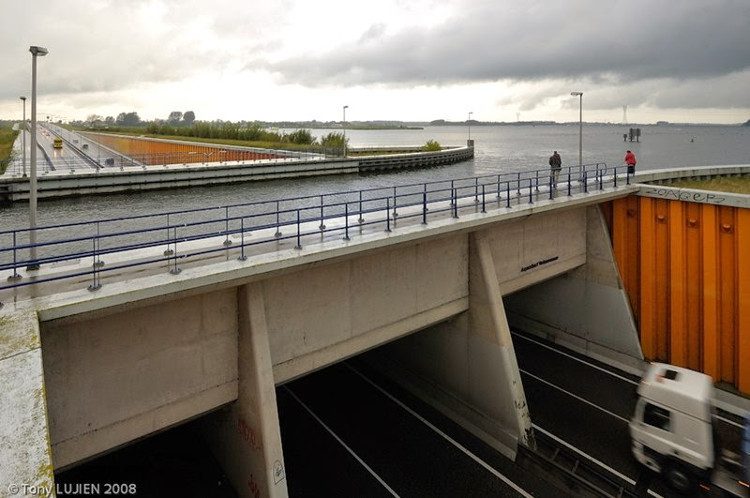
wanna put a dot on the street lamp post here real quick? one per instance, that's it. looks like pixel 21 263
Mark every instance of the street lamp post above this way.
pixel 345 108
pixel 35 52
pixel 23 130
pixel 469 122
pixel 580 126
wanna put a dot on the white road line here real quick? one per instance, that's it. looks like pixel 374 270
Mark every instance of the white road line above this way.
pixel 591 459
pixel 573 395
pixel 580 360
pixel 445 436
pixel 522 336
pixel 341 442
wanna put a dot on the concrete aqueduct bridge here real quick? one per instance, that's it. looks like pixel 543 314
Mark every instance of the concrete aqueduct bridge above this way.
pixel 428 303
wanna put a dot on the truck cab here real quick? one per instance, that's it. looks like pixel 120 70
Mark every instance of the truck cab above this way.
pixel 674 434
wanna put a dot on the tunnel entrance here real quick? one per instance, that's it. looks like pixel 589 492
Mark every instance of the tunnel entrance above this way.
pixel 175 462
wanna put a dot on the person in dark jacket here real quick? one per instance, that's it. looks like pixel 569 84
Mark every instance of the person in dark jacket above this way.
pixel 631 161
pixel 555 164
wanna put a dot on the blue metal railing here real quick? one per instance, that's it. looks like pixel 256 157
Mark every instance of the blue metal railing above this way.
pixel 307 215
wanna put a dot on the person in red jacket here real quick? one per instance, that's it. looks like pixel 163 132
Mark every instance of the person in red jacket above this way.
pixel 630 160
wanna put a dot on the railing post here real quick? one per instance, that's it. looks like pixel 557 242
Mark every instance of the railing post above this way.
pixel 387 214
pixel 96 283
pixel 395 202
pixel 322 225
pixel 551 187
pixel 99 262
pixel 518 183
pixel 585 182
pixel 600 173
pixel 484 205
pixel 498 186
pixel 227 242
pixel 360 220
pixel 569 193
pixel 531 194
pixel 242 239
pixel 454 193
pixel 15 275
pixel 507 194
pixel 453 198
pixel 299 241
pixel 424 208
pixel 175 269
pixel 615 173
pixel 476 190
pixel 346 221
pixel 278 225
pixel 537 179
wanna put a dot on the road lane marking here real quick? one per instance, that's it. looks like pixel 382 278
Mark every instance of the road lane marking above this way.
pixel 592 459
pixel 580 360
pixel 341 442
pixel 445 436
pixel 574 395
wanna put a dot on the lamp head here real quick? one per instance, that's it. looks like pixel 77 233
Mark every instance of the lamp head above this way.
pixel 22 98
pixel 576 94
pixel 41 51
pixel 346 107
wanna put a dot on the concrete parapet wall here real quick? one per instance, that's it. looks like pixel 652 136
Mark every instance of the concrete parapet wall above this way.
pixel 325 314
pixel 25 456
pixel 112 378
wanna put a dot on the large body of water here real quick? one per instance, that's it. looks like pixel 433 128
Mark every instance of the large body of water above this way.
pixel 499 149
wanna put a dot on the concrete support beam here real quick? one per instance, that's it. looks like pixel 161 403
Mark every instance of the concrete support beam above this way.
pixel 586 309
pixel 491 346
pixel 245 437
pixel 25 455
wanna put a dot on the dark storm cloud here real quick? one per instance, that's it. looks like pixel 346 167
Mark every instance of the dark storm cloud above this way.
pixel 619 41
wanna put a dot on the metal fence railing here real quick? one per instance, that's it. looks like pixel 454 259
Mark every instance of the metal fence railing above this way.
pixel 178 234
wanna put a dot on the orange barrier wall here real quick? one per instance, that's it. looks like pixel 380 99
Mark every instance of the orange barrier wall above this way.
pixel 154 152
pixel 686 269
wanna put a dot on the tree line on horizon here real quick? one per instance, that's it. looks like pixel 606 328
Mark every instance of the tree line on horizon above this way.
pixel 179 124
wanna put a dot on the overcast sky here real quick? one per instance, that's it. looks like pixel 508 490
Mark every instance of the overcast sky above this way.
pixel 675 60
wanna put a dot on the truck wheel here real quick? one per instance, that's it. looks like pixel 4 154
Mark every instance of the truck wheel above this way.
pixel 679 479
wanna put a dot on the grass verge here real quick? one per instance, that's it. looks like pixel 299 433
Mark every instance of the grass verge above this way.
pixel 7 137
pixel 735 184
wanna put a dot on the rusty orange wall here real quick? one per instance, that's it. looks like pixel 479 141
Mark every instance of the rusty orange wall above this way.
pixel 686 269
pixel 170 152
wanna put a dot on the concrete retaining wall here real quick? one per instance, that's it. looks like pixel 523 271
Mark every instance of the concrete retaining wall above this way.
pixel 111 180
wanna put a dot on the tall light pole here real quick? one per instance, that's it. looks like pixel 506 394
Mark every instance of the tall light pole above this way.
pixel 345 108
pixel 580 125
pixel 35 52
pixel 23 130
pixel 469 122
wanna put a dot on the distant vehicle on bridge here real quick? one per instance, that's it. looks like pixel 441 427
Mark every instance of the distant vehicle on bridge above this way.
pixel 57 144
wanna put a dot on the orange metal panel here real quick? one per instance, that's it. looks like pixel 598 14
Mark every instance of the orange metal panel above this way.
pixel 693 226
pixel 710 322
pixel 727 293
pixel 677 295
pixel 633 285
pixel 648 281
pixel 743 315
pixel 662 287
pixel 620 237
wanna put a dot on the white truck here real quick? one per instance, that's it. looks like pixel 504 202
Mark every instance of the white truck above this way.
pixel 674 433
